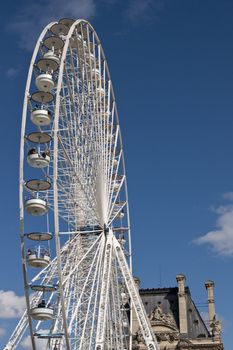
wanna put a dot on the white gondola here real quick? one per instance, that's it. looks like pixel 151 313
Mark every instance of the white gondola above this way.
pixel 42 97
pixel 44 82
pixel 47 65
pixel 67 22
pixel 115 162
pixel 104 114
pixel 125 324
pixel 116 182
pixel 122 241
pixel 51 55
pixel 39 236
pixel 34 261
pixel 95 73
pixel 39 137
pixel 42 313
pixel 54 43
pixel 124 297
pixel 38 185
pixel 37 160
pixel 111 138
pixel 120 215
pixel 46 335
pixel 59 29
pixel 76 42
pixel 101 91
pixel 36 206
pixel 41 117
pixel 116 186
pixel 92 57
pixel 43 288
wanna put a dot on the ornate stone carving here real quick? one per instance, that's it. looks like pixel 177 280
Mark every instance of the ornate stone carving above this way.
pixel 167 336
pixel 216 329
pixel 139 338
pixel 184 344
pixel 157 317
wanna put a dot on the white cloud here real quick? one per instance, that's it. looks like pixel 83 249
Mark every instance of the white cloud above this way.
pixel 221 239
pixel 138 9
pixel 31 19
pixel 29 22
pixel 11 305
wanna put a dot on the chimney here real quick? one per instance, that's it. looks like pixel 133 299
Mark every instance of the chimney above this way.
pixel 137 282
pixel 182 305
pixel 211 305
pixel 135 324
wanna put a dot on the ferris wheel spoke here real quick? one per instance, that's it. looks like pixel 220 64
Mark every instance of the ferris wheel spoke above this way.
pixel 111 158
pixel 87 293
pixel 114 201
pixel 115 187
pixel 119 210
pixel 88 324
pixel 115 308
pixel 109 151
pixel 145 326
pixel 83 258
pixel 88 199
pixel 104 294
pixel 66 152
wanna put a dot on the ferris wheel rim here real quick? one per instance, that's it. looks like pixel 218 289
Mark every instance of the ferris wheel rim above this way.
pixel 48 97
pixel 21 176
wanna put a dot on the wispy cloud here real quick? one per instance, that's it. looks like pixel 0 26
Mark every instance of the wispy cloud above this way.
pixel 11 305
pixel 12 72
pixel 221 239
pixel 2 331
pixel 144 9
pixel 228 196
pixel 27 344
pixel 224 322
pixel 32 18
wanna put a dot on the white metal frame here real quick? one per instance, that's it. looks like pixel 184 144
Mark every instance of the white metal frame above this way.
pixel 92 269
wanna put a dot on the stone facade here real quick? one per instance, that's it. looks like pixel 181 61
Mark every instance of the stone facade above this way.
pixel 176 320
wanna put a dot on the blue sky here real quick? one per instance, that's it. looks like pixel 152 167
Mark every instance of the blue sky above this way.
pixel 171 66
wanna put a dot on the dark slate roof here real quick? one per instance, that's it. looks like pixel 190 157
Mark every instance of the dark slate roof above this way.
pixel 168 300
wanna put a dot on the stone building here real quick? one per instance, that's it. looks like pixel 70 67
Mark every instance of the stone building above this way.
pixel 176 320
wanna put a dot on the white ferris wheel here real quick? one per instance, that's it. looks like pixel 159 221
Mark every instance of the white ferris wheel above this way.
pixel 74 215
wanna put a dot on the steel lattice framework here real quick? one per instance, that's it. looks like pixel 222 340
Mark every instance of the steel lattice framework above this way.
pixel 73 182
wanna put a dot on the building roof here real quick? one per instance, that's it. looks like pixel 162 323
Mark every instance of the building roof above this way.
pixel 167 299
